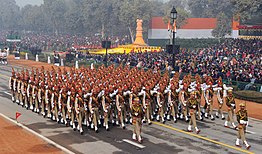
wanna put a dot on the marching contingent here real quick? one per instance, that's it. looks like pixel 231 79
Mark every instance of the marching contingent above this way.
pixel 96 97
pixel 3 56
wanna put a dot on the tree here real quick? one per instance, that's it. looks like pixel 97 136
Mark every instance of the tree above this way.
pixel 210 8
pixel 74 20
pixel 9 14
pixel 247 8
pixel 55 11
pixel 223 26
pixel 130 10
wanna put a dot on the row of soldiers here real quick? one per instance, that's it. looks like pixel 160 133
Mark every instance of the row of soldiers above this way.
pixel 89 96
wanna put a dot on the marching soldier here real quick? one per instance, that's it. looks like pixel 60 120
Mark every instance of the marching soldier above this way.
pixel 23 89
pixel 127 96
pixel 71 108
pixel 183 97
pixel 41 97
pixel 192 105
pixel 17 87
pixel 62 104
pixel 54 103
pixel 79 109
pixel 120 105
pixel 35 95
pixel 221 96
pixel 30 91
pixel 160 103
pixel 86 101
pixel 106 108
pixel 11 84
pixel 173 101
pixel 242 120
pixel 209 101
pixel 199 95
pixel 48 98
pixel 137 114
pixel 147 104
pixel 231 105
pixel 93 108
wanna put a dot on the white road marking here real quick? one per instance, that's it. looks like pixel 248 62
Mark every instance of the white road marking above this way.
pixel 8 93
pixel 39 135
pixel 250 132
pixel 134 143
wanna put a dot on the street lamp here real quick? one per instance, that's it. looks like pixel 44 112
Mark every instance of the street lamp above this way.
pixel 173 16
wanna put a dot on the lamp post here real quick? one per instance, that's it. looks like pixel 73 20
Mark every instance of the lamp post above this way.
pixel 106 52
pixel 173 16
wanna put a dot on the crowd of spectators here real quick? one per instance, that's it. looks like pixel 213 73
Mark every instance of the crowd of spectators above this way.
pixel 236 59
pixel 63 42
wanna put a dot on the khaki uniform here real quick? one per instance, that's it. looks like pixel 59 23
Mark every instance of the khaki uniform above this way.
pixel 120 105
pixel 183 97
pixel 63 99
pixel 137 114
pixel 173 95
pixel 161 105
pixel 198 99
pixel 192 105
pixel 35 98
pixel 106 102
pixel 29 92
pixel 93 107
pixel 220 100
pixel 242 119
pixel 231 105
pixel 79 109
pixel 209 102
pixel 54 104
pixel 147 107
pixel 11 87
pixel 41 93
pixel 47 101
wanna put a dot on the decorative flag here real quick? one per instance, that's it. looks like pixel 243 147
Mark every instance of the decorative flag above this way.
pixel 174 26
pixel 17 114
pixel 168 25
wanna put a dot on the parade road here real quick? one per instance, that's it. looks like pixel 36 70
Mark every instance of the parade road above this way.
pixel 159 138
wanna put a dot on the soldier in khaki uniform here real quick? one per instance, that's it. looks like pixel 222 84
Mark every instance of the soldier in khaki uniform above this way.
pixel 183 97
pixel 17 87
pixel 231 105
pixel 54 103
pixel 209 101
pixel 137 114
pixel 147 104
pixel 41 96
pixel 106 101
pixel 79 109
pixel 173 101
pixel 48 98
pixel 161 104
pixel 242 120
pixel 30 91
pixel 62 104
pixel 192 105
pixel 220 98
pixel 120 105
pixel 35 95
pixel 93 108
pixel 11 84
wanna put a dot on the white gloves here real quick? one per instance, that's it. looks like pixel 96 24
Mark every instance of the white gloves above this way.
pixel 243 122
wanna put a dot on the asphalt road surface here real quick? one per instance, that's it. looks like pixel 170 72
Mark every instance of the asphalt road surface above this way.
pixel 159 138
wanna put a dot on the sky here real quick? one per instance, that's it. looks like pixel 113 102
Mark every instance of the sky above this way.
pixel 22 3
